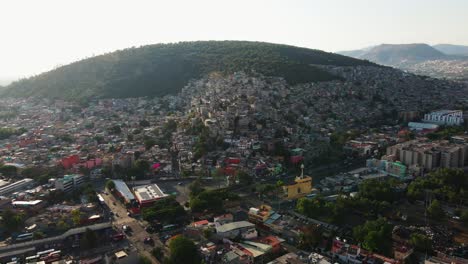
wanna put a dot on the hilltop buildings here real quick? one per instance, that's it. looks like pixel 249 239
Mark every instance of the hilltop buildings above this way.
pixel 445 117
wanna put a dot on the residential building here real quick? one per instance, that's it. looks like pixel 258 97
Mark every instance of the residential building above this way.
pixel 259 215
pixel 430 155
pixel 445 117
pixel 69 182
pixel 223 219
pixel 394 169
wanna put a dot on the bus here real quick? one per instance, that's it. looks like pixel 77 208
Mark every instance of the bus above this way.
pixel 168 228
pixel 45 252
pixel 32 259
pixel 24 237
pixel 52 256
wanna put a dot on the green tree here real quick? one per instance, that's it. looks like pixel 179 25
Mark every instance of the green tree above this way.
pixel 62 225
pixel 421 242
pixel 144 260
pixel 375 236
pixel 158 253
pixel 379 190
pixel 211 200
pixel 12 221
pixel 244 178
pixel 207 233
pixel 195 187
pixel 110 185
pixel 464 217
pixel 115 130
pixel 435 210
pixel 38 235
pixel 166 211
pixel 183 251
pixel 89 239
pixel 149 143
pixel 8 171
pixel 310 237
pixel 76 216
pixel 144 123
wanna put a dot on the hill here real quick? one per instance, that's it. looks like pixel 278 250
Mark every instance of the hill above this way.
pixel 417 58
pixel 165 68
pixel 355 53
pixel 390 54
pixel 451 49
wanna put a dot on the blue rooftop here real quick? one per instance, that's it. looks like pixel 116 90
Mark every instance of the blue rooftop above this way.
pixel 123 189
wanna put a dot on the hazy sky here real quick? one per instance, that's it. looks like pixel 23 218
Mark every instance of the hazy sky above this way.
pixel 38 35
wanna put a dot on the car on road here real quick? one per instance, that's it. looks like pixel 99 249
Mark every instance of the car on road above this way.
pixel 180 183
pixel 149 229
pixel 126 228
pixel 148 240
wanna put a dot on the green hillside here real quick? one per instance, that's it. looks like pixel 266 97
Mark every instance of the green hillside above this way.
pixel 165 68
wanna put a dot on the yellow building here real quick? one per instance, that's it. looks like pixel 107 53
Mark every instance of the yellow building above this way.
pixel 301 187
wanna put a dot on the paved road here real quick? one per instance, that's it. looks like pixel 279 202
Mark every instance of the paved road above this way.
pixel 138 233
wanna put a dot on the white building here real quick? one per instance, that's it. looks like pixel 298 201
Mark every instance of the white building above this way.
pixel 445 117
pixel 16 186
pixel 146 195
pixel 234 229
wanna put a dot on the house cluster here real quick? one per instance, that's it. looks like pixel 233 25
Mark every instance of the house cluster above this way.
pixel 258 238
pixel 44 210
pixel 370 143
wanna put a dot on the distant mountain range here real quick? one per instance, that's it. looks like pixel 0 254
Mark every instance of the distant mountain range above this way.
pixel 450 49
pixel 441 61
pixel 161 69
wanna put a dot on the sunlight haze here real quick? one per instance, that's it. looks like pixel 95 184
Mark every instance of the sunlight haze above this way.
pixel 38 36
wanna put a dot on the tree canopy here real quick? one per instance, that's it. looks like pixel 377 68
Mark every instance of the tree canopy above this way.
pixel 210 200
pixel 375 236
pixel 12 221
pixel 183 251
pixel 167 211
pixel 446 184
